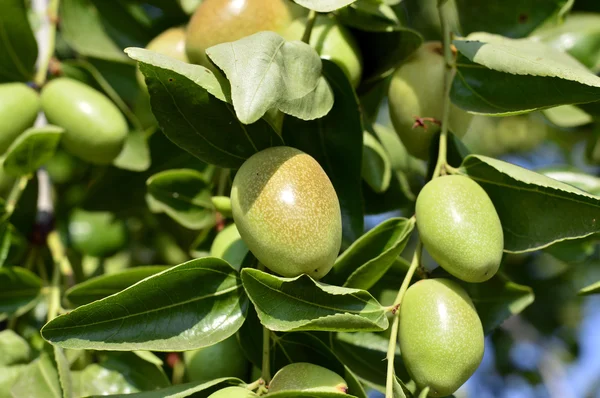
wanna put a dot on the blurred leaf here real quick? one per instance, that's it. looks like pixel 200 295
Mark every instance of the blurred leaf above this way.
pixel 105 285
pixel 6 234
pixel 266 71
pixel 189 6
pixel 19 290
pixel 39 379
pixel 524 200
pixel 13 349
pixel 567 116
pixel 309 394
pixel 335 141
pixel 370 257
pixel 182 308
pixel 18 48
pixel 31 150
pixel 369 15
pixel 583 181
pixel 491 66
pixel 184 195
pixel 190 106
pixel 63 372
pixel 229 246
pixel 194 389
pixel 591 289
pixel 135 155
pixel 513 18
pixel 8 376
pixel 301 303
pixel 376 166
pixel 324 5
pixel 148 356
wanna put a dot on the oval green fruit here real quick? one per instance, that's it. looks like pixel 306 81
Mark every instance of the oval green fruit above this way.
pixel 171 43
pixel 460 228
pixel 440 334
pixel 233 392
pixel 19 106
pixel 333 42
pixel 221 21
pixel 287 212
pixel 417 91
pixel 95 129
pixel 224 359
pixel 302 376
pixel 96 234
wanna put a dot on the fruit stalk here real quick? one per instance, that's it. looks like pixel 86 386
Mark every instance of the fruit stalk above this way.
pixel 391 353
pixel 310 23
pixel 46 36
pixel 448 77
pixel 14 196
pixel 266 357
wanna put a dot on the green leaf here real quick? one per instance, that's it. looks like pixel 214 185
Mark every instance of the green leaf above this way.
pixel 376 166
pixel 324 5
pixel 105 285
pixel 190 105
pixel 370 257
pixel 183 194
pixel 64 372
pixel 13 349
pixel 490 67
pixel 583 181
pixel 229 246
pixel 31 150
pixel 525 200
pixel 39 379
pixel 194 389
pixel 309 394
pixel 8 377
pixel 567 116
pixel 266 71
pixel 6 234
pixel 135 155
pixel 189 306
pixel 369 16
pixel 83 30
pixel 335 141
pixel 301 303
pixel 19 291
pixel 591 289
pixel 18 48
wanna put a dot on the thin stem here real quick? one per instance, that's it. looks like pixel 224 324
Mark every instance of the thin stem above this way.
pixel 46 37
pixel 266 357
pixel 310 23
pixel 14 196
pixel 448 77
pixel 59 255
pixel 54 294
pixel 391 353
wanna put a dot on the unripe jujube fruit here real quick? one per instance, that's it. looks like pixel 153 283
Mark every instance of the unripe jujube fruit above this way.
pixel 95 129
pixel 417 90
pixel 287 212
pixel 171 43
pixel 224 359
pixel 441 337
pixel 460 228
pixel 302 376
pixel 96 233
pixel 233 392
pixel 19 106
pixel 220 21
pixel 333 42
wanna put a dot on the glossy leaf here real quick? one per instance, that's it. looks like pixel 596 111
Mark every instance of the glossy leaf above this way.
pixel 525 199
pixel 376 165
pixel 335 141
pixel 184 195
pixel 324 5
pixel 105 285
pixel 591 289
pixel 301 303
pixel 18 48
pixel 370 257
pixel 31 150
pixel 19 290
pixel 135 155
pixel 491 66
pixel 64 372
pixel 194 389
pixel 266 71
pixel 190 105
pixel 182 308
pixel 13 349
pixel 38 379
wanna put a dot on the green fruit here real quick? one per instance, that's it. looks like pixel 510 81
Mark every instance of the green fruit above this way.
pixel 95 128
pixel 19 106
pixel 229 246
pixel 171 43
pixel 233 392
pixel 224 359
pixel 97 234
pixel 333 42
pixel 460 228
pixel 302 376
pixel 441 337
pixel 287 212
pixel 220 21
pixel 417 90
